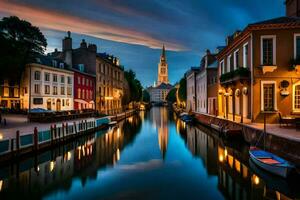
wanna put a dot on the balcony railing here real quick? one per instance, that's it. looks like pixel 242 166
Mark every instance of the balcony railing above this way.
pixel 238 74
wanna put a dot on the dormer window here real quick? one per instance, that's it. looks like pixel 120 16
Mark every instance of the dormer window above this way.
pixel 61 65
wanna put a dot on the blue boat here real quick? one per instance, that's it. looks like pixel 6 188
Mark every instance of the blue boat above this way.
pixel 270 162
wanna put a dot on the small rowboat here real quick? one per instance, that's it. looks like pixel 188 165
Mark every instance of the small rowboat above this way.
pixel 270 162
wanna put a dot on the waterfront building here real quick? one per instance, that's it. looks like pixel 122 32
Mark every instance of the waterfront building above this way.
pixel 206 84
pixel 191 95
pixel 109 84
pixel 9 95
pixel 84 89
pixel 160 90
pixel 47 84
pixel 259 71
pixel 159 93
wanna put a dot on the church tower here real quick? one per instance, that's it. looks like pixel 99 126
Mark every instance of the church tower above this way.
pixel 162 68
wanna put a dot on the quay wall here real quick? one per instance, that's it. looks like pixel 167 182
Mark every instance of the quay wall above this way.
pixel 57 134
pixel 282 146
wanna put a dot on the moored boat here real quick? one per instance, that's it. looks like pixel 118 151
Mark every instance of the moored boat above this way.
pixel 270 162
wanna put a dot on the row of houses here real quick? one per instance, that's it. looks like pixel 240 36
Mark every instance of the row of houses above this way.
pixel 255 75
pixel 71 79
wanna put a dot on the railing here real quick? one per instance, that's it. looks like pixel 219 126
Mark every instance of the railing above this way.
pixel 241 72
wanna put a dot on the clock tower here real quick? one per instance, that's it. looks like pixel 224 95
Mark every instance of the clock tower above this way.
pixel 162 68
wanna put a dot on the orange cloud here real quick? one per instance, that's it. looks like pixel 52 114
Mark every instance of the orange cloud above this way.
pixel 62 22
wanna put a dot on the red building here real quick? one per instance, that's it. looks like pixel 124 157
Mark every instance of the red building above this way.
pixel 84 90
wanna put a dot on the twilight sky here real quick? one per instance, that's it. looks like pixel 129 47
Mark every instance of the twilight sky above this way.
pixel 135 30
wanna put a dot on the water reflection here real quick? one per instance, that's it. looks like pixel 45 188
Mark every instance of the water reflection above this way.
pixel 153 155
pixel 236 180
pixel 52 170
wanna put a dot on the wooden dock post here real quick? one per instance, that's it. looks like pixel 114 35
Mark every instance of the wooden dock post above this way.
pixel 18 140
pixel 35 139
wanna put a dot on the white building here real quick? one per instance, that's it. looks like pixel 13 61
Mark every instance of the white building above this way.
pixel 159 93
pixel 190 89
pixel 48 85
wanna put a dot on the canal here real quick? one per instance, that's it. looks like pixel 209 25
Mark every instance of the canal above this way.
pixel 152 155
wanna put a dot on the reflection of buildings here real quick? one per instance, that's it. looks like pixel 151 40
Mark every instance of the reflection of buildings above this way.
pixel 235 178
pixel 55 169
pixel 160 122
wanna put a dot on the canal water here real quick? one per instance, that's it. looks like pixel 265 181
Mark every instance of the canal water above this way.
pixel 152 155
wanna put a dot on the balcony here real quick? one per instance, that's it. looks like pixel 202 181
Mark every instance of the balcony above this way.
pixel 268 68
pixel 241 74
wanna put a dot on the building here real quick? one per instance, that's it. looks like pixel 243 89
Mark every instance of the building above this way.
pixel 191 95
pixel 9 95
pixel 84 89
pixel 162 68
pixel 85 55
pixel 109 84
pixel 259 71
pixel 159 92
pixel 206 84
pixel 292 8
pixel 47 84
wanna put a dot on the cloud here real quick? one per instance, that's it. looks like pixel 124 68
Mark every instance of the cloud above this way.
pixel 59 21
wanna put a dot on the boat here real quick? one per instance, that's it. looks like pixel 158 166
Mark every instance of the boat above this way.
pixel 270 162
pixel 186 118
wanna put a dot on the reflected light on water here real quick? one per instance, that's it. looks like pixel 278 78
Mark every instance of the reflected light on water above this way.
pixel 1 136
pixel 52 165
pixel 1 183
pixel 255 179
pixel 221 158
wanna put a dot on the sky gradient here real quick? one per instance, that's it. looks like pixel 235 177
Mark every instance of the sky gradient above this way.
pixel 135 30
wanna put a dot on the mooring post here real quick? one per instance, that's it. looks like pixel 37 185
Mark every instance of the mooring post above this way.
pixel 18 140
pixel 35 138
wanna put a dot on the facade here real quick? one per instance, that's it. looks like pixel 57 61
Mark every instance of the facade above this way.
pixel 84 90
pixel 162 68
pixel 259 71
pixel 292 8
pixel 109 84
pixel 191 89
pixel 159 94
pixel 46 84
pixel 9 95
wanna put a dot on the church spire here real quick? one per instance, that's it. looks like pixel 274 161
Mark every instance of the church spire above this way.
pixel 163 55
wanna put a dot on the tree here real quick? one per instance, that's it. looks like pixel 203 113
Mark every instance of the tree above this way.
pixel 134 89
pixel 182 89
pixel 20 42
pixel 146 96
pixel 171 97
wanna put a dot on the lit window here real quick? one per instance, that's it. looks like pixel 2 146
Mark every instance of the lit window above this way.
pixel 47 89
pixel 268 50
pixel 54 90
pixel 62 90
pixel 268 97
pixel 36 88
pixel 296 106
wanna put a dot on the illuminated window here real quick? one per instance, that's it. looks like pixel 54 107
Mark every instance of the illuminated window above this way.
pixel 47 89
pixel 36 88
pixel 268 50
pixel 62 90
pixel 296 97
pixel 54 90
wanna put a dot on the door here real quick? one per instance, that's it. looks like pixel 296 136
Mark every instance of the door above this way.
pixel 245 105
pixel 49 104
pixel 58 105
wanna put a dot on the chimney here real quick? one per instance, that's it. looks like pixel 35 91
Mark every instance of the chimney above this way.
pixel 67 42
pixel 83 44
pixel 208 52
pixel 292 8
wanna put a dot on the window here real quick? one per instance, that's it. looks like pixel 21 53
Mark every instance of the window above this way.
pixel 69 91
pixel 162 70
pixel 236 59
pixel 297 46
pixel 228 63
pixel 79 93
pixel 83 81
pixel 37 75
pixel 222 67
pixel 78 80
pixel 54 90
pixel 47 76
pixel 245 55
pixel 62 90
pixel 54 77
pixel 69 80
pixel 36 88
pixel 62 79
pixel 54 63
pixel 61 65
pixel 87 82
pixel 296 97
pixel 268 50
pixel 47 89
pixel 83 94
pixel 268 96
